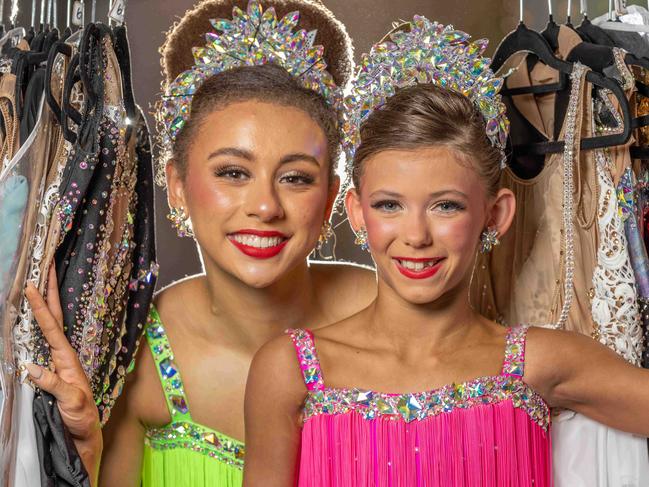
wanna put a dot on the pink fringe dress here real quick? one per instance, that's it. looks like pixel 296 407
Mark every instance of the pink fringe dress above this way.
pixel 488 432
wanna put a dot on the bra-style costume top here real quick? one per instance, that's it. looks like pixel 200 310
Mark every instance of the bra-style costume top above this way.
pixel 490 431
pixel 184 453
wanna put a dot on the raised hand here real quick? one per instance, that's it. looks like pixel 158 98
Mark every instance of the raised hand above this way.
pixel 68 382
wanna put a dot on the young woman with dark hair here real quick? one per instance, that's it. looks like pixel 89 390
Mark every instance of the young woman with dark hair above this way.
pixel 249 151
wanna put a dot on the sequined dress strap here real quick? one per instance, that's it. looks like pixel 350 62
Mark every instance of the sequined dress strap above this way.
pixel 168 372
pixel 307 357
pixel 514 362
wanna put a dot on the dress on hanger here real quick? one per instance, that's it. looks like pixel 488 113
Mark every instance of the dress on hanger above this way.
pixel 184 453
pixel 522 279
pixel 30 161
pixel 490 431
pixel 144 271
pixel 634 42
pixel 602 297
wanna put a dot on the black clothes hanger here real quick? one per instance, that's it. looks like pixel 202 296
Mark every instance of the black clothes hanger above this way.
pixel 593 33
pixel 27 63
pixel 85 67
pixel 29 35
pixel 68 112
pixel 551 33
pixel 59 47
pixel 524 39
pixel 39 38
pixel 599 58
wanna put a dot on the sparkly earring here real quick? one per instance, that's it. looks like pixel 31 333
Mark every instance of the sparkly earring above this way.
pixel 361 239
pixel 180 221
pixel 325 234
pixel 488 240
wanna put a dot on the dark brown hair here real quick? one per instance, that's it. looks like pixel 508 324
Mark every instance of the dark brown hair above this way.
pixel 263 83
pixel 266 83
pixel 190 31
pixel 426 115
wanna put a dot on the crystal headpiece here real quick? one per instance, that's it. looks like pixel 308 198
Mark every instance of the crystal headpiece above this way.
pixel 427 52
pixel 250 38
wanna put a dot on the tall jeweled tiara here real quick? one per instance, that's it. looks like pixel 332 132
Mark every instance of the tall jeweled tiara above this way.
pixel 427 52
pixel 250 38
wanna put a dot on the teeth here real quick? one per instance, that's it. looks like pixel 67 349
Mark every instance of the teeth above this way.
pixel 256 241
pixel 416 266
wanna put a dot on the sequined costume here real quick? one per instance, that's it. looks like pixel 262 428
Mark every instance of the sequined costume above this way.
pixel 490 431
pixel 565 260
pixel 184 453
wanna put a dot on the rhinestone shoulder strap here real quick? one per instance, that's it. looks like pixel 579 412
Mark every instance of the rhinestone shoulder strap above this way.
pixel 163 356
pixel 514 362
pixel 307 357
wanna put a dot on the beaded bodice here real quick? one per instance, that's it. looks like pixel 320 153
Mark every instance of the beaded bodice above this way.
pixel 508 386
pixel 182 431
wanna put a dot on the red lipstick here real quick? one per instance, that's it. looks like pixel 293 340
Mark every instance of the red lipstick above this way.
pixel 259 252
pixel 424 273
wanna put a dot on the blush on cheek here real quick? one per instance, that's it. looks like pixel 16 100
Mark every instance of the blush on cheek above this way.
pixel 456 234
pixel 381 232
pixel 206 198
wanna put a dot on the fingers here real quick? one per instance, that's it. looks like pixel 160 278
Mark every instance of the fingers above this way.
pixel 51 328
pixel 52 383
pixel 53 299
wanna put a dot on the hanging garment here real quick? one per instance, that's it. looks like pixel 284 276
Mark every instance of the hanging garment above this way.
pixel 93 259
pixel 634 42
pixel 522 280
pixel 11 125
pixel 144 270
pixel 184 453
pixel 105 258
pixel 491 431
pixel 143 274
pixel 635 198
pixel 29 162
pixel 13 198
pixel 587 453
pixel 571 266
pixel 47 223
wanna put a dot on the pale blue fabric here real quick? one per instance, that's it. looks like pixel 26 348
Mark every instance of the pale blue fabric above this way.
pixel 13 200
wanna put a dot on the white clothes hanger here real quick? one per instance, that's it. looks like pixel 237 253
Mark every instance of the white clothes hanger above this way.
pixel 615 24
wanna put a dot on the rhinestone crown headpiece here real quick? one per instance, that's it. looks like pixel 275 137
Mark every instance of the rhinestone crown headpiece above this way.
pixel 250 38
pixel 427 53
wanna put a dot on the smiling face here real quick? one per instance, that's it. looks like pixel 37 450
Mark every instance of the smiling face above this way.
pixel 424 211
pixel 257 189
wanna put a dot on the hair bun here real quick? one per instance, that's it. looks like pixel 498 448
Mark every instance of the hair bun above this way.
pixel 190 31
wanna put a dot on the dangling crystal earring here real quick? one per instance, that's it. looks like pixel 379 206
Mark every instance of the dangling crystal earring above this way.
pixel 180 221
pixel 325 234
pixel 488 240
pixel 361 239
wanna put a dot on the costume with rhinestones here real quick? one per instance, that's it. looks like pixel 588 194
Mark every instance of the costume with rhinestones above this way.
pixel 183 452
pixel 565 260
pixel 490 431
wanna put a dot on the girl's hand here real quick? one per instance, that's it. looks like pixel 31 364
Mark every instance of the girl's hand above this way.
pixel 68 383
